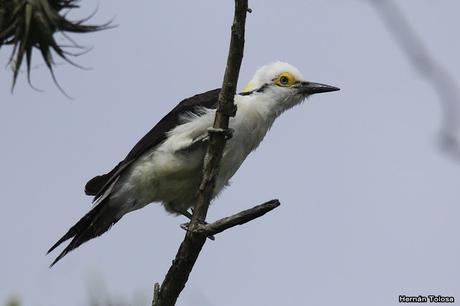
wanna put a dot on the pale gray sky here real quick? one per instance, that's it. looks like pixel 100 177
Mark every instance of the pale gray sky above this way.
pixel 370 206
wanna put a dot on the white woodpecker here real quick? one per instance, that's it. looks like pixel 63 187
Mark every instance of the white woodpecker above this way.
pixel 166 164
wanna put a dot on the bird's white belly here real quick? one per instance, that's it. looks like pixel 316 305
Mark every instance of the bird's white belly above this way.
pixel 175 178
pixel 163 177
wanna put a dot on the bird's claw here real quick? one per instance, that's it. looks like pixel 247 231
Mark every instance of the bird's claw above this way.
pixel 186 227
pixel 228 132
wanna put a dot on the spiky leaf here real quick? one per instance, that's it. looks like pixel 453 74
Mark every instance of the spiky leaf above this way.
pixel 29 24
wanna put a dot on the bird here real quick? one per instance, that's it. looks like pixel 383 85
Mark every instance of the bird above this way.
pixel 165 166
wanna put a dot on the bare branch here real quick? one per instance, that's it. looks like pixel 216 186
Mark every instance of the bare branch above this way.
pixel 428 67
pixel 237 219
pixel 190 248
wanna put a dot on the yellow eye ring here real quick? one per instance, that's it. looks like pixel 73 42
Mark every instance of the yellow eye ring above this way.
pixel 285 79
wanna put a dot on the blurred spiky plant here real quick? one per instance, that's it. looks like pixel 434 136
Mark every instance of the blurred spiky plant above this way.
pixel 13 301
pixel 29 24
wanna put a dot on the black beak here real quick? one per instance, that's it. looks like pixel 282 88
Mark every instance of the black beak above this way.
pixel 309 88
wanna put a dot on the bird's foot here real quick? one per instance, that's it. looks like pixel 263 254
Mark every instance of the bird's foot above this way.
pixel 228 133
pixel 186 226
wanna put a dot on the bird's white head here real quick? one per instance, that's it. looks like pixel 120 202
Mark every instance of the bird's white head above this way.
pixel 283 85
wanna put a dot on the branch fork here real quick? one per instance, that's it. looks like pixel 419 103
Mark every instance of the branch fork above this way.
pixel 211 229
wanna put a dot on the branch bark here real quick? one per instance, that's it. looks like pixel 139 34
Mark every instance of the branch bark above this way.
pixel 193 242
pixel 237 219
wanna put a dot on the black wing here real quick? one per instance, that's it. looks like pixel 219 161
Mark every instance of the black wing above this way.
pixel 97 185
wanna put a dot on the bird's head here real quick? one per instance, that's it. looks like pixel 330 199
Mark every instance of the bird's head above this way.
pixel 283 85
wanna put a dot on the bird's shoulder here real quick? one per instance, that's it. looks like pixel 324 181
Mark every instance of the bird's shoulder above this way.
pixel 154 137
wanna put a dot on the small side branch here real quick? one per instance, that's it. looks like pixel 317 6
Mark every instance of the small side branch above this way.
pixel 237 219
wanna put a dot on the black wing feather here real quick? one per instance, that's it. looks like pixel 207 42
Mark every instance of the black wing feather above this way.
pixel 97 185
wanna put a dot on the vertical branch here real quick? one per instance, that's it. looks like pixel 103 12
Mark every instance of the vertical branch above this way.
pixel 225 109
pixel 193 242
pixel 429 68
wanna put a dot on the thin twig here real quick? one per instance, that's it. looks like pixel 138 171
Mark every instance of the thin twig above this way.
pixel 425 64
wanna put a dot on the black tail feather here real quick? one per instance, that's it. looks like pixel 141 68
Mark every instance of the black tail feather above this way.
pixel 78 227
pixel 93 224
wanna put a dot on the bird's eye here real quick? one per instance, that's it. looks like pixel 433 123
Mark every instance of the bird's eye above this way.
pixel 284 80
